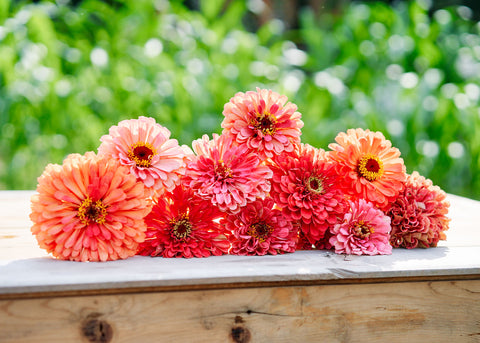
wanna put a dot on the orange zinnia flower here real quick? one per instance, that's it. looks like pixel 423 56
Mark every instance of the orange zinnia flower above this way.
pixel 89 209
pixel 370 167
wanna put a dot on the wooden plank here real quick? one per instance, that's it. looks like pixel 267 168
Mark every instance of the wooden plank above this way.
pixel 394 312
pixel 27 271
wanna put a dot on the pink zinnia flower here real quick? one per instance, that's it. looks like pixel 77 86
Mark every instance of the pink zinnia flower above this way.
pixel 419 214
pixel 263 121
pixel 370 167
pixel 228 176
pixel 146 148
pixel 89 209
pixel 305 186
pixel 184 225
pixel 260 229
pixel 364 231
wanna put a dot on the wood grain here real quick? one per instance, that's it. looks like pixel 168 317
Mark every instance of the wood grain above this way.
pixel 442 311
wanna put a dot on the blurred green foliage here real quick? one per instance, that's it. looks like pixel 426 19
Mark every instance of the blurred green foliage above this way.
pixel 70 71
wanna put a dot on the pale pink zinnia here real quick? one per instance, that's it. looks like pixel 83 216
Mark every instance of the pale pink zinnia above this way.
pixel 260 229
pixel 419 214
pixel 263 121
pixel 364 230
pixel 146 148
pixel 370 167
pixel 90 208
pixel 305 186
pixel 228 176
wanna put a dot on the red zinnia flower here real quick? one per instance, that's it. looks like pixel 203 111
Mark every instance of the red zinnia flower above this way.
pixel 370 167
pixel 183 225
pixel 260 229
pixel 419 214
pixel 89 209
pixel 228 176
pixel 263 121
pixel 305 186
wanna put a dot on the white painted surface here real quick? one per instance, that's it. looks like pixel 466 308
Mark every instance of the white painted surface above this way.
pixel 25 268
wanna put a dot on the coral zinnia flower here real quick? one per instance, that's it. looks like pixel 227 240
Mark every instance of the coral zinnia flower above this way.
pixel 89 209
pixel 419 214
pixel 227 175
pixel 183 225
pixel 371 168
pixel 263 121
pixel 305 186
pixel 364 231
pixel 260 229
pixel 145 147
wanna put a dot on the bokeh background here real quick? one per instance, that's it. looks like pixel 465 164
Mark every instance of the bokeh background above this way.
pixel 411 69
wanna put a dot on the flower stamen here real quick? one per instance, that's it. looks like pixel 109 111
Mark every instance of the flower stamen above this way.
pixel 141 153
pixel 90 211
pixel 362 230
pixel 265 122
pixel 222 171
pixel 314 185
pixel 260 231
pixel 370 167
pixel 181 227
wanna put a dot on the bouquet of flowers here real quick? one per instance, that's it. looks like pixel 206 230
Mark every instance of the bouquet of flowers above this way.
pixel 255 189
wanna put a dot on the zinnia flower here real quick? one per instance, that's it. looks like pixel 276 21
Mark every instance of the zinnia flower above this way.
pixel 305 186
pixel 260 229
pixel 370 167
pixel 183 225
pixel 303 243
pixel 419 214
pixel 364 231
pixel 263 121
pixel 89 209
pixel 145 147
pixel 228 176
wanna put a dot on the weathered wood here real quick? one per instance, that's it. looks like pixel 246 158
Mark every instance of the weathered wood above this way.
pixel 27 271
pixel 415 295
pixel 392 312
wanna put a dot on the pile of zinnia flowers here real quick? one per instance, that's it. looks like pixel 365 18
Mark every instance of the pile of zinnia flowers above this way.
pixel 255 189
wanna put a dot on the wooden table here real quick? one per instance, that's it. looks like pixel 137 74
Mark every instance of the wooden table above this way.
pixel 309 296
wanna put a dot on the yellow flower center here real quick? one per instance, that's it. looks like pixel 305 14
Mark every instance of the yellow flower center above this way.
pixel 141 153
pixel 181 227
pixel 362 230
pixel 315 185
pixel 265 122
pixel 90 211
pixel 260 231
pixel 370 167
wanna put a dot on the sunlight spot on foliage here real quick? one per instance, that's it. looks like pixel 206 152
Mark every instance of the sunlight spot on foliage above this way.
pixel 395 127
pixel 153 47
pixel 409 80
pixel 63 87
pixel 394 71
pixel 455 150
pixel 99 57
pixel 461 101
pixel 473 92
pixel 448 90
pixel 428 148
pixel 430 103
